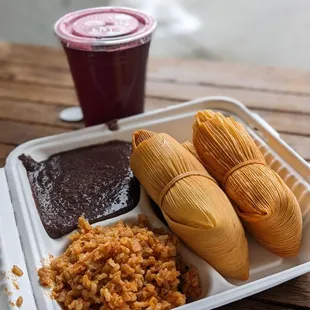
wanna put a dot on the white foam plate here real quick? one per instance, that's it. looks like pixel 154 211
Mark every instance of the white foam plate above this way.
pixel 33 244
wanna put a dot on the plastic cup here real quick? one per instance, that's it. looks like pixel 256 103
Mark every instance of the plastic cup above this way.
pixel 107 51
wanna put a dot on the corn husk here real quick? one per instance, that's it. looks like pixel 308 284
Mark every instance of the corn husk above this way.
pixel 190 147
pixel 194 206
pixel 266 206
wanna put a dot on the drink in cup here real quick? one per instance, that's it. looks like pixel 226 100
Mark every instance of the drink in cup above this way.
pixel 107 50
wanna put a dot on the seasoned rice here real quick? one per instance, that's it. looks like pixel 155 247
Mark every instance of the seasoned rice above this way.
pixel 123 266
pixel 17 271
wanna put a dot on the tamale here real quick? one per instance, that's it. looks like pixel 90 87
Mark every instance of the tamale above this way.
pixel 194 206
pixel 267 207
pixel 190 147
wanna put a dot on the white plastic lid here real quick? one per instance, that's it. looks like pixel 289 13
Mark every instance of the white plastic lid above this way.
pixel 104 28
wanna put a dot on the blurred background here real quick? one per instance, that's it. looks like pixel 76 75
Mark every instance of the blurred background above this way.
pixel 264 32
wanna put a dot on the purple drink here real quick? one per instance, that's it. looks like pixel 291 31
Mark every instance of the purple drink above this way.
pixel 107 50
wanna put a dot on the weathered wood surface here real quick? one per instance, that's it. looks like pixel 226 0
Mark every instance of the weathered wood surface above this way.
pixel 35 85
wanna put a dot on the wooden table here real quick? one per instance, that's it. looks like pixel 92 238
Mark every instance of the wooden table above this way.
pixel 35 85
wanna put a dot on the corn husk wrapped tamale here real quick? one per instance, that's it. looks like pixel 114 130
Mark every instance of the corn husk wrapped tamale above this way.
pixel 194 206
pixel 265 204
pixel 190 147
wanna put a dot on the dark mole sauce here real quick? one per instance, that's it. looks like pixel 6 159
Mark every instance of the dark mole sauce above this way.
pixel 94 181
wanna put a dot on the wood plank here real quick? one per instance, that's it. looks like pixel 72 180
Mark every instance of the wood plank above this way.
pixel 38 93
pixel 299 144
pixel 17 133
pixel 156 103
pixel 33 54
pixel 252 99
pixel 284 122
pixel 35 113
pixel 293 293
pixel 5 150
pixel 230 74
pixel 247 304
pixel 48 114
pixel 52 95
pixel 184 70
pixel 35 74
pixel 169 91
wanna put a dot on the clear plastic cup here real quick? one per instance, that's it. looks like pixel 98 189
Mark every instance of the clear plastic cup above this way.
pixel 107 51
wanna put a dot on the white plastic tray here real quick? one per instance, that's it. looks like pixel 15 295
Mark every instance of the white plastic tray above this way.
pixel 266 269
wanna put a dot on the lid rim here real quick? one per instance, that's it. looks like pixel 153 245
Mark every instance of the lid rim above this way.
pixel 89 42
